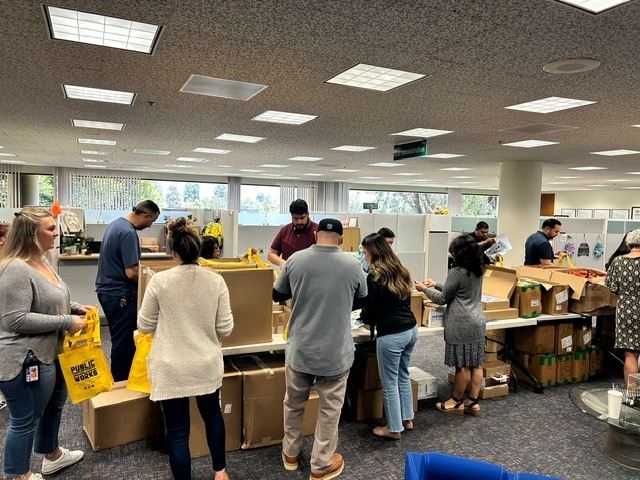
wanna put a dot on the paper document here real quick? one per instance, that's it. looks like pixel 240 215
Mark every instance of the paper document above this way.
pixel 501 247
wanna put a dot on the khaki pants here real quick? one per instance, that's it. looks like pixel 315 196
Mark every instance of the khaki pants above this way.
pixel 331 391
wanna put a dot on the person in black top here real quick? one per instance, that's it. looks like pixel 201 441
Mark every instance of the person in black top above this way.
pixel 388 308
pixel 484 242
pixel 537 248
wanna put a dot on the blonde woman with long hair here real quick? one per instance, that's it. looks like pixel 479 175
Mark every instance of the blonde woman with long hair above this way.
pixel 388 308
pixel 35 313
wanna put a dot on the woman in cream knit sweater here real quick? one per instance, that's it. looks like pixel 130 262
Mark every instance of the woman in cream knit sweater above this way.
pixel 187 309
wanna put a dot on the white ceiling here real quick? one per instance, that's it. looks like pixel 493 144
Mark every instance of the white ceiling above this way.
pixel 480 57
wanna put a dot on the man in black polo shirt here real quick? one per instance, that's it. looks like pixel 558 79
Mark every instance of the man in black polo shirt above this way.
pixel 537 248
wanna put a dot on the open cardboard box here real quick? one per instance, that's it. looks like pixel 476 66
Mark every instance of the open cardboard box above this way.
pixel 587 296
pixel 499 282
pixel 555 295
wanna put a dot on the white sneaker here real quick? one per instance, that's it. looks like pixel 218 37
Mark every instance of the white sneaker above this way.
pixel 3 402
pixel 67 458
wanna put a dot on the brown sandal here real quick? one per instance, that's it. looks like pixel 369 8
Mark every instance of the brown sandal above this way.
pixel 457 409
pixel 470 409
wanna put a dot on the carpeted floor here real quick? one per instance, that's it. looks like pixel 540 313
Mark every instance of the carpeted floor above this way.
pixel 540 433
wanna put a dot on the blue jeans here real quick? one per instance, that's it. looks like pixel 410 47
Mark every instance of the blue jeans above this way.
pixel 122 315
pixel 176 418
pixel 394 355
pixel 35 410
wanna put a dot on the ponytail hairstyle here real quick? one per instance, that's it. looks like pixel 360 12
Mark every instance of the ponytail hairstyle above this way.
pixel 386 267
pixel 184 241
pixel 22 239
pixel 467 254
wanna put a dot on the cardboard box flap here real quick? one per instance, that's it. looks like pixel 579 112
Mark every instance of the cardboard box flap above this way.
pixel 540 274
pixel 499 282
pixel 576 284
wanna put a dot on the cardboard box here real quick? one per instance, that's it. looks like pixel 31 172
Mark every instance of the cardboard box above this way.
pixel 231 406
pixel 279 318
pixel 364 372
pixel 555 296
pixel 490 356
pixel 536 339
pixel 490 302
pixel 488 389
pixel 499 283
pixel 542 367
pixel 427 383
pixel 582 334
pixel 563 369
pixel 351 239
pixel 564 338
pixel 527 298
pixel 580 366
pixel 494 340
pixel 417 305
pixel 364 404
pixel 434 316
pixel 596 357
pixel 262 410
pixel 495 369
pixel 120 416
pixel 503 314
pixel 589 297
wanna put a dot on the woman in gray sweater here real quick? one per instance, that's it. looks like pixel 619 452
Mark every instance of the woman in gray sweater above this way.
pixel 464 323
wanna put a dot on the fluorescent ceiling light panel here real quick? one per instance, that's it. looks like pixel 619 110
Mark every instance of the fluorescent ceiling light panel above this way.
pixel 597 185
pixel 95 152
pixel 13 161
pixel 423 132
pixel 387 164
pixel 550 104
pixel 231 137
pixel 165 170
pixel 98 95
pixel 632 188
pixel 145 151
pixel 273 175
pixel 618 180
pixel 93 29
pixel 569 176
pixel 219 87
pixel 461 177
pixel 376 78
pixel 530 143
pixel 632 173
pixel 273 116
pixel 615 153
pixel 456 169
pixel 216 151
pixel 95 166
pixel 100 125
pixel 557 183
pixel 353 148
pixel 370 178
pixel 93 160
pixel 91 141
pixel 406 174
pixel 274 165
pixel 7 155
pixel 595 6
pixel 314 174
pixel 587 168
pixel 444 155
pixel 250 170
pixel 351 170
pixel 305 159
pixel 178 166
pixel 192 160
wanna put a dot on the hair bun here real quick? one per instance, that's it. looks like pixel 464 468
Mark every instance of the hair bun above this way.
pixel 178 226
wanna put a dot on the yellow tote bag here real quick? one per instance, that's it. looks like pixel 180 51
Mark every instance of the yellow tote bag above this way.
pixel 138 377
pixel 84 366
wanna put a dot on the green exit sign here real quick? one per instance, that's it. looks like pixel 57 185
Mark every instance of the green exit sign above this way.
pixel 370 206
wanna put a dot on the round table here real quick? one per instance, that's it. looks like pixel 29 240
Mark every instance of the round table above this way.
pixel 622 441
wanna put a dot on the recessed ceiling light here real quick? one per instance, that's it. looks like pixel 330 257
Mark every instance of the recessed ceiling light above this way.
pixel 423 132
pixel 95 166
pixel 583 189
pixel 595 6
pixel 219 87
pixel 571 66
pixel 100 125
pixel 231 137
pixel 95 152
pixel 224 166
pixel 530 143
pixel 618 180
pixel 632 173
pixel 444 155
pixel 632 188
pixel 587 168
pixel 93 29
pixel 192 160
pixel 274 175
pixel 349 170
pixel 468 183
pixel 387 164
pixel 352 148
pixel 422 180
pixel 7 154
pixel 462 176
pixel 557 183
pixel 274 116
pixel 172 165
pixel 13 161
pixel 98 95
pixel 274 165
pixel 456 169
pixel 372 77
pixel 406 174
pixel 597 185
pixel 305 159
pixel 250 170
pixel 569 176
pixel 314 174
pixel 217 151
pixel 635 126
pixel 94 160
pixel 145 151
pixel 370 178
pixel 165 170
pixel 92 141
pixel 615 153
pixel 549 104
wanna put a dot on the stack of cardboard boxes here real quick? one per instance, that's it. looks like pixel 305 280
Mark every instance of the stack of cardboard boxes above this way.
pixel 498 285
pixel 495 379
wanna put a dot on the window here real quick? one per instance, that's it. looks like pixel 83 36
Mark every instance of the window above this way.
pixel 479 205
pixel 185 194
pixel 397 202
pixel 259 199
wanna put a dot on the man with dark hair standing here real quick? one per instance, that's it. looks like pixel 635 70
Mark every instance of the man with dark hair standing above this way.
pixel 117 282
pixel 322 282
pixel 537 248
pixel 484 242
pixel 297 235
